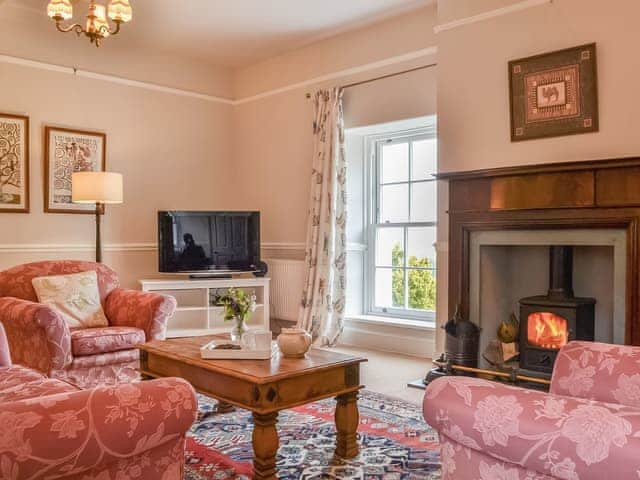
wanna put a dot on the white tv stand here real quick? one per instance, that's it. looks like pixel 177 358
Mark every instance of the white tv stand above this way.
pixel 196 315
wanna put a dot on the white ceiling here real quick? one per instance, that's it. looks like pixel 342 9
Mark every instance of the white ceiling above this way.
pixel 236 33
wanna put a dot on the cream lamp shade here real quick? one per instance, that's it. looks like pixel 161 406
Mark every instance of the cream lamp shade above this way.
pixel 96 187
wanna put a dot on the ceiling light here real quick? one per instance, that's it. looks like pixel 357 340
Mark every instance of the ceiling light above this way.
pixel 97 26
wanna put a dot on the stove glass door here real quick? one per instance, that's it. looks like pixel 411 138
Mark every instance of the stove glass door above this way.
pixel 547 330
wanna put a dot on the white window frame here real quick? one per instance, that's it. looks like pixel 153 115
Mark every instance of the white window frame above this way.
pixel 373 145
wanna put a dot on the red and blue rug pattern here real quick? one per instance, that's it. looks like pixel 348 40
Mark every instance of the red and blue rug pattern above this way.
pixel 395 443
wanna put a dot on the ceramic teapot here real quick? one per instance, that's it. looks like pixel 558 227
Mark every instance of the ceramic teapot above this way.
pixel 294 342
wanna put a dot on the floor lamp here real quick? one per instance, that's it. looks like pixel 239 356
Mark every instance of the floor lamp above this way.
pixel 99 188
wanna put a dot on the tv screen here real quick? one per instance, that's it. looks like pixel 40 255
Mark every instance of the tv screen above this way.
pixel 208 241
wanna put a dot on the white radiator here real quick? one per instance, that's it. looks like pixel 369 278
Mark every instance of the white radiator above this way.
pixel 287 281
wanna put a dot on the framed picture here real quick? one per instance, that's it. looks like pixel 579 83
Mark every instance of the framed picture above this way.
pixel 14 163
pixel 554 94
pixel 67 151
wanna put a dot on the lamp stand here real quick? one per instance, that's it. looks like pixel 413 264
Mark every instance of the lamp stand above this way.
pixel 99 213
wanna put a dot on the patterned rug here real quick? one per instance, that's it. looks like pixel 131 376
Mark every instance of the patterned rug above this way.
pixel 395 443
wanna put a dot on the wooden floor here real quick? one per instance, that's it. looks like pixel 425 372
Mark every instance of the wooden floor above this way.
pixel 388 373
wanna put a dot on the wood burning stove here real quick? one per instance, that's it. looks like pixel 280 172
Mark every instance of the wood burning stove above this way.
pixel 548 322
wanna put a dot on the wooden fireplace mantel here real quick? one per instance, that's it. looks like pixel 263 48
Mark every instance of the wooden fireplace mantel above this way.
pixel 586 195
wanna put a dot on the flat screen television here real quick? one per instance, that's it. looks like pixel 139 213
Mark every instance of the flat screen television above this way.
pixel 200 242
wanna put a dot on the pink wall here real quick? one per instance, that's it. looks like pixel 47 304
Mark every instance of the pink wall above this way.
pixel 273 140
pixel 28 33
pixel 396 36
pixel 473 84
pixel 173 151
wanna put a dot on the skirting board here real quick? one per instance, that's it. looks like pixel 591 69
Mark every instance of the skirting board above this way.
pixel 389 338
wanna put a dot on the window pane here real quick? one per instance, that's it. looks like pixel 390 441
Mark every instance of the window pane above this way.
pixel 425 159
pixel 394 203
pixel 422 252
pixel 389 287
pixel 422 289
pixel 395 163
pixel 390 247
pixel 423 202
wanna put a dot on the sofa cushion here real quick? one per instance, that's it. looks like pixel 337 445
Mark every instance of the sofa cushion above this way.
pixel 93 341
pixel 19 383
pixel 75 296
pixel 17 374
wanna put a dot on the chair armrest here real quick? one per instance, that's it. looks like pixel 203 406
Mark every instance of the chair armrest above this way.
pixel 5 354
pixel 67 434
pixel 598 371
pixel 37 335
pixel 145 310
pixel 550 434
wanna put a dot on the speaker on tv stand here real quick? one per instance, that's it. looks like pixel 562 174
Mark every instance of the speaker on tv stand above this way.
pixel 261 269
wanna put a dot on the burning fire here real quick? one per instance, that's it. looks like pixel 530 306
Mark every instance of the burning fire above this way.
pixel 547 330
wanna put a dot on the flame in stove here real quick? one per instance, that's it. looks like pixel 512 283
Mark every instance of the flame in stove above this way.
pixel 547 330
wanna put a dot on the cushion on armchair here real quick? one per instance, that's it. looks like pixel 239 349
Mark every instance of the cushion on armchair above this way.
pixel 75 296
pixel 18 382
pixel 93 341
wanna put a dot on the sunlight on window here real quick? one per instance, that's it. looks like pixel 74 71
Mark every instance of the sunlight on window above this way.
pixel 404 264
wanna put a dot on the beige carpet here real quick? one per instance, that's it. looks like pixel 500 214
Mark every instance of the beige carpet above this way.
pixel 389 373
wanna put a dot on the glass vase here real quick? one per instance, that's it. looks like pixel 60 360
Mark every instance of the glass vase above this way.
pixel 238 330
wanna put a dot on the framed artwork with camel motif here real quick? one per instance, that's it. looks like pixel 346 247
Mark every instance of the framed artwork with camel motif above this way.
pixel 14 163
pixel 68 151
pixel 554 94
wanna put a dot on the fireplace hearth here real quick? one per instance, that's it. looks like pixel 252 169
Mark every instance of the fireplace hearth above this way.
pixel 548 322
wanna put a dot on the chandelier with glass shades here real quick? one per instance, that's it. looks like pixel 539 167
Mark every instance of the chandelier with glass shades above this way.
pixel 97 27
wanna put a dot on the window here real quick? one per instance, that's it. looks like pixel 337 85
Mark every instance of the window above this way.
pixel 402 225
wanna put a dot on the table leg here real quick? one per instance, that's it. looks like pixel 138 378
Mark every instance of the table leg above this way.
pixel 347 420
pixel 265 446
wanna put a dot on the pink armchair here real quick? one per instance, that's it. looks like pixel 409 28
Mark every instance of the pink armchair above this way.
pixel 50 429
pixel 39 338
pixel 587 427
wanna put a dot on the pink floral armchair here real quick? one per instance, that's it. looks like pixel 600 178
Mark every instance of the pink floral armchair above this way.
pixel 39 338
pixel 587 427
pixel 51 429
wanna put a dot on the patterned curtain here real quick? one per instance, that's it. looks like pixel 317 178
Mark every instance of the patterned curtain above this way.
pixel 323 299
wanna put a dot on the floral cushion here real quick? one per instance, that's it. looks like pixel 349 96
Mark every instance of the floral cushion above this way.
pixel 17 375
pixel 17 383
pixel 36 389
pixel 91 341
pixel 75 296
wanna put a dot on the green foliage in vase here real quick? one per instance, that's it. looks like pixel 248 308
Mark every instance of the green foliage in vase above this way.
pixel 237 304
pixel 422 283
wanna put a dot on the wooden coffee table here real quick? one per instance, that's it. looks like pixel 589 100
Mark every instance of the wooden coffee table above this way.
pixel 265 387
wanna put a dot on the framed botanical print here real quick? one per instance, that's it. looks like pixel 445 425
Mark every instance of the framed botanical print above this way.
pixel 14 163
pixel 554 94
pixel 68 151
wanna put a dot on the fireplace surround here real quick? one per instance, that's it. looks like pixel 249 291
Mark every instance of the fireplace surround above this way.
pixel 592 195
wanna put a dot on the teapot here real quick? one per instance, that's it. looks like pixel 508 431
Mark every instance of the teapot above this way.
pixel 294 342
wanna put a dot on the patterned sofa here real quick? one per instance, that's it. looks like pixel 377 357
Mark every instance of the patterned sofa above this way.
pixel 51 429
pixel 587 427
pixel 40 339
